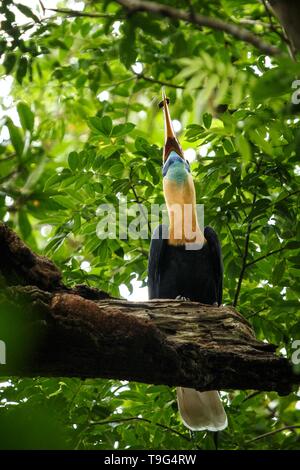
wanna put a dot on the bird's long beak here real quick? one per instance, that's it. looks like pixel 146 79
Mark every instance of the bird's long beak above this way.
pixel 171 142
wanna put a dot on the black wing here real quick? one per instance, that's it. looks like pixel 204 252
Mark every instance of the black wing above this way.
pixel 157 247
pixel 215 249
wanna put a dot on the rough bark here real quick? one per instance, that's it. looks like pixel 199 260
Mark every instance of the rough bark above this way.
pixel 83 332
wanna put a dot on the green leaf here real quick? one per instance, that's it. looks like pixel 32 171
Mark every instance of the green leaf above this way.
pixel 278 272
pixel 22 69
pixel 229 193
pixel 116 170
pixel 258 139
pixel 106 124
pixel 141 144
pixel 9 62
pixel 103 250
pixel 293 245
pixel 228 146
pixel 76 222
pixel 65 201
pixel 15 137
pixel 207 120
pixel 244 148
pixel 27 12
pixel 152 170
pixel 127 47
pixel 109 150
pixel 73 160
pixel 24 224
pixel 220 188
pixel 122 129
pixel 273 83
pixel 102 125
pixel 35 175
pixel 26 116
pixel 52 181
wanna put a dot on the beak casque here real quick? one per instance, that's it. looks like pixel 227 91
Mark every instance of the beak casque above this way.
pixel 171 142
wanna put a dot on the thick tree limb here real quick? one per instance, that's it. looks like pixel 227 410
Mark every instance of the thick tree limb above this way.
pixel 288 13
pixel 81 332
pixel 242 34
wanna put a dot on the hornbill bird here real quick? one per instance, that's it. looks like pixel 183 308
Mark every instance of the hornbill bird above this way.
pixel 186 263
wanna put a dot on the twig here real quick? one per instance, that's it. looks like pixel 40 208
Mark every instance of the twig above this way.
pixel 246 246
pixel 242 34
pixel 9 157
pixel 141 76
pixel 265 256
pixel 244 262
pixel 248 21
pixel 76 13
pixel 288 196
pixel 42 7
pixel 137 200
pixel 115 84
pixel 252 395
pixel 271 433
pixel 253 314
pixel 144 420
pixel 235 241
pixel 10 175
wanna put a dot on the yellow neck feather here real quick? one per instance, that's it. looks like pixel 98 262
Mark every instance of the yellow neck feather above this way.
pixel 181 204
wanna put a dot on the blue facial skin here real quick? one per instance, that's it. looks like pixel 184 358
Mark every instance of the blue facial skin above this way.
pixel 176 169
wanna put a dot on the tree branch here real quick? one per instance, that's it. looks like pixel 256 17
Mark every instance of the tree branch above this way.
pixel 242 34
pixel 294 193
pixel 138 202
pixel 274 252
pixel 160 82
pixel 288 14
pixel 271 433
pixel 244 261
pixel 59 331
pixel 282 35
pixel 235 240
pixel 143 420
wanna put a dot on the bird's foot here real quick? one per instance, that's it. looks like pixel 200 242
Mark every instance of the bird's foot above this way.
pixel 180 297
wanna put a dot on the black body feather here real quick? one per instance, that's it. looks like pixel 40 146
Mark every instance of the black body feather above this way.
pixel 175 271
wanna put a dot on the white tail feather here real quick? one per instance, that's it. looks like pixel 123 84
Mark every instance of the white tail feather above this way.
pixel 201 410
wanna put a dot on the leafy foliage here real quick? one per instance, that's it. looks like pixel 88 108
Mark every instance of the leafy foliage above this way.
pixel 82 128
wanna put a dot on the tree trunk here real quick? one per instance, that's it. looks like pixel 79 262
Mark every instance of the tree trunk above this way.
pixel 51 330
pixel 288 13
